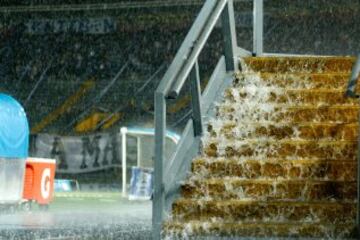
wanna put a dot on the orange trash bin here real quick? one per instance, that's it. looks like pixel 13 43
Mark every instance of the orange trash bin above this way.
pixel 39 180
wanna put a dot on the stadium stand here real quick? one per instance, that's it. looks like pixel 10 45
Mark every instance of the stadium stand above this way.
pixel 41 65
pixel 45 66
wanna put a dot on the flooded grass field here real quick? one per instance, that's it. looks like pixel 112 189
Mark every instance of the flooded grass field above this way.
pixel 91 215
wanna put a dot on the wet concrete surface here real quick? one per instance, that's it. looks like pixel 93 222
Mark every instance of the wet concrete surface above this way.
pixel 81 218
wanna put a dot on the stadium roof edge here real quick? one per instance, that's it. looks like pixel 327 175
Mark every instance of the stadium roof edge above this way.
pixel 103 6
pixel 94 6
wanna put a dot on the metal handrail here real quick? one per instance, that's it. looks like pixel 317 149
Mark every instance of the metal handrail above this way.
pixel 191 47
pixel 351 92
pixel 185 65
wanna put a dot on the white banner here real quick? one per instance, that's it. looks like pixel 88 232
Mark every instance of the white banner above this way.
pixel 79 154
pixel 89 25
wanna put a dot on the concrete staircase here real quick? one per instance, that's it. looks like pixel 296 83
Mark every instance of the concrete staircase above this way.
pixel 279 159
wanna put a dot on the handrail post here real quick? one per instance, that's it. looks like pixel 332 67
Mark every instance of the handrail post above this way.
pixel 258 27
pixel 358 181
pixel 196 100
pixel 351 92
pixel 138 151
pixel 185 66
pixel 229 34
pixel 159 195
pixel 123 131
pixel 351 88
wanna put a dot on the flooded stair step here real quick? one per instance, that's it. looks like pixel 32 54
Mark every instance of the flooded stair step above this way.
pixel 298 64
pixel 336 81
pixel 269 189
pixel 344 170
pixel 280 157
pixel 281 149
pixel 290 96
pixel 287 113
pixel 186 229
pixel 259 211
pixel 232 130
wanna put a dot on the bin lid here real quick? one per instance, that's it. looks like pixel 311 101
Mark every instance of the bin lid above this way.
pixel 14 129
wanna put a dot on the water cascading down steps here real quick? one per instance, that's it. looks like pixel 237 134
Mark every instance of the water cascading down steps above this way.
pixel 279 158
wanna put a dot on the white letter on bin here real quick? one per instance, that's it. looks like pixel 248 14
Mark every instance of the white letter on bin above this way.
pixel 45 183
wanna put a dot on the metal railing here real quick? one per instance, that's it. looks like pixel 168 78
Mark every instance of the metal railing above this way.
pixel 185 65
pixel 168 172
pixel 351 92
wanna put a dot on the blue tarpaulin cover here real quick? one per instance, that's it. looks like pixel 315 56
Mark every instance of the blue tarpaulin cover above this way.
pixel 14 129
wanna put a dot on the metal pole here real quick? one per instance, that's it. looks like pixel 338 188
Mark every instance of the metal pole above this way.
pixel 42 77
pixel 358 181
pixel 351 88
pixel 258 27
pixel 192 46
pixel 351 91
pixel 138 141
pixel 159 195
pixel 123 131
pixel 229 34
pixel 151 78
pixel 183 118
pixel 196 100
